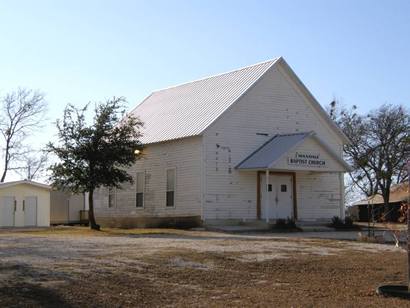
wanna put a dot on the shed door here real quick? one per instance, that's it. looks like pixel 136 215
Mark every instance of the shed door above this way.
pixel 7 207
pixel 30 211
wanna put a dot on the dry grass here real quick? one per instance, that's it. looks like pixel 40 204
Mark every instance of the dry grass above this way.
pixel 78 267
pixel 86 231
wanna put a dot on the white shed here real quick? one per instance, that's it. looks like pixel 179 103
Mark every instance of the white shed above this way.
pixel 250 144
pixel 67 208
pixel 24 204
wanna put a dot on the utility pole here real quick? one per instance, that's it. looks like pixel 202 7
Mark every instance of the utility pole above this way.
pixel 408 228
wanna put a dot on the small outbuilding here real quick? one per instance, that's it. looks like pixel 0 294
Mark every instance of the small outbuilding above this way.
pixel 68 208
pixel 373 206
pixel 24 204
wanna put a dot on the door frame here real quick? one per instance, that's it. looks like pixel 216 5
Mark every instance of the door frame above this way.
pixel 259 195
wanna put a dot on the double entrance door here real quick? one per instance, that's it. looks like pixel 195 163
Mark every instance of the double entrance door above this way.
pixel 18 213
pixel 277 197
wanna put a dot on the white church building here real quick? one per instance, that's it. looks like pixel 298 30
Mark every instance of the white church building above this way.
pixel 250 144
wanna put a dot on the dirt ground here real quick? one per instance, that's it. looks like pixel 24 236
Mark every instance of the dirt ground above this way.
pixel 75 267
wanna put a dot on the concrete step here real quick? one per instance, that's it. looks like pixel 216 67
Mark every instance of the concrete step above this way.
pixel 238 228
pixel 235 222
pixel 312 228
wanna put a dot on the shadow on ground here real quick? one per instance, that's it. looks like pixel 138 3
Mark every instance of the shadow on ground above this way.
pixel 31 295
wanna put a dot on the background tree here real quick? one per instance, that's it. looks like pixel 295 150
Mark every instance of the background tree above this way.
pixel 97 154
pixel 380 144
pixel 355 128
pixel 32 165
pixel 22 112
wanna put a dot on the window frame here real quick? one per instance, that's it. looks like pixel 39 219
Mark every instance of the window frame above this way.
pixel 166 187
pixel 143 190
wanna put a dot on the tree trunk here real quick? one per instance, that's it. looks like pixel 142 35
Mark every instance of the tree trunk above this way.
pixel 3 176
pixel 386 200
pixel 91 216
pixel 6 161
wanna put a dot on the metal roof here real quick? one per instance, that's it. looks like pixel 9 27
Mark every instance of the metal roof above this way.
pixel 188 109
pixel 271 151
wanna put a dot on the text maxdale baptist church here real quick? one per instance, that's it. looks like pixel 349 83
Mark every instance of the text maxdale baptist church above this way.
pixel 306 159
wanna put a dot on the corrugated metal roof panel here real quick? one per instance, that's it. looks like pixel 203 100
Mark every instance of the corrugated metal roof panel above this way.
pixel 271 151
pixel 188 109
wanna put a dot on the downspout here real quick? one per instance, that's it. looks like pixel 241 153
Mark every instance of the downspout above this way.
pixel 267 196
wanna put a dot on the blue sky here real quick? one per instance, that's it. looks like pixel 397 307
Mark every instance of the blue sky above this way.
pixel 81 51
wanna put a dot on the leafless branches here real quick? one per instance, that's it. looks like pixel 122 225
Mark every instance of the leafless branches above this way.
pixel 22 112
pixel 31 165
pixel 380 144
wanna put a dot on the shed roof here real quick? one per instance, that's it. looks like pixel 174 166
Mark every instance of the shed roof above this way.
pixel 275 148
pixel 27 182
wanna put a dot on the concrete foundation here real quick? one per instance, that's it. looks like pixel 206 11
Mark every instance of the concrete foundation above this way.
pixel 150 222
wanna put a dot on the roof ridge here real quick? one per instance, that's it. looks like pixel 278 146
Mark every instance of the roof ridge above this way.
pixel 213 95
pixel 215 75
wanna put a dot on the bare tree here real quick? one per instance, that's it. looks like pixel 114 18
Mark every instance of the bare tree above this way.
pixel 32 165
pixel 380 143
pixel 357 152
pixel 22 111
pixel 390 135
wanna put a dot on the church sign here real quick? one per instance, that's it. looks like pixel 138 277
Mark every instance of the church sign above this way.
pixel 307 160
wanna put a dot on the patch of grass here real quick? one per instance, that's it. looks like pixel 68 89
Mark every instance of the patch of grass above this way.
pixel 143 231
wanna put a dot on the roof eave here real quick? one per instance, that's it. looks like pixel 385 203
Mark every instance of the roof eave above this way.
pixel 310 134
pixel 22 182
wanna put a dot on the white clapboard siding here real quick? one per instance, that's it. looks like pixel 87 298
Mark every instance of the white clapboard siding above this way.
pixel 273 106
pixel 318 195
pixel 185 156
